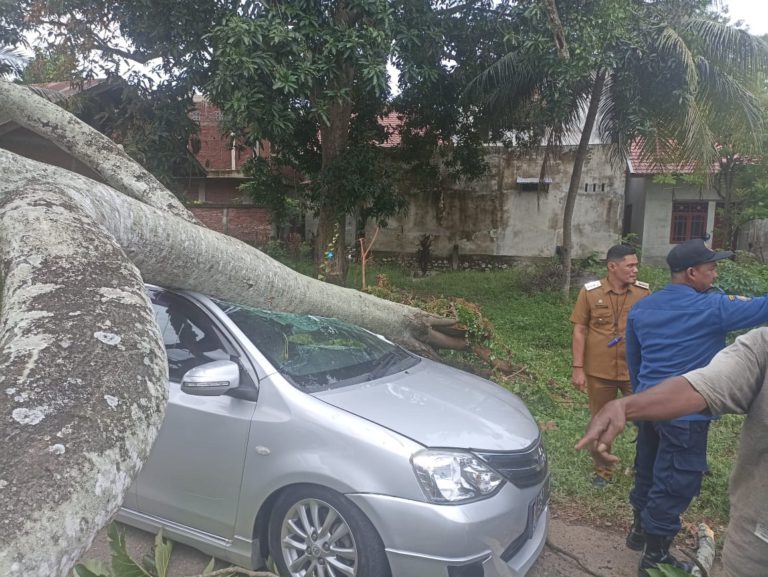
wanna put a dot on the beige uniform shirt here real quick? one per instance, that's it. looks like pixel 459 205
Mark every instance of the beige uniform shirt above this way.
pixel 604 312
pixel 736 381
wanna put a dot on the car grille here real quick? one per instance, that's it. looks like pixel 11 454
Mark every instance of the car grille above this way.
pixel 523 468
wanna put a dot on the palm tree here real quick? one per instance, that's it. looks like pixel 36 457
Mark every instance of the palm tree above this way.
pixel 660 73
pixel 11 61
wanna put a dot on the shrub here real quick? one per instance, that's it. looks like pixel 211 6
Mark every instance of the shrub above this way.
pixel 544 277
pixel 744 276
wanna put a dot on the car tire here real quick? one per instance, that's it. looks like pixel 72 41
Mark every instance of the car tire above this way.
pixel 316 532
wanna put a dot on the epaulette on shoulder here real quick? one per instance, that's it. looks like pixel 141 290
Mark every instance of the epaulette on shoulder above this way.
pixel 642 284
pixel 592 285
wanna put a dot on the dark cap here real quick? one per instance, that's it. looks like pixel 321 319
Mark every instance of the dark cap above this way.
pixel 693 253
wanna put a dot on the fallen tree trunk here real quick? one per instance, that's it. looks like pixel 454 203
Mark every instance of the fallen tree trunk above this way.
pixel 82 366
pixel 170 251
pixel 82 380
pixel 87 145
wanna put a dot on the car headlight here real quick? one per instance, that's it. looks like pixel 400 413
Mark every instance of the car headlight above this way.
pixel 454 476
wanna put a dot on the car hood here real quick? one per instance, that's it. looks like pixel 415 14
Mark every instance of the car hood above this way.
pixel 439 406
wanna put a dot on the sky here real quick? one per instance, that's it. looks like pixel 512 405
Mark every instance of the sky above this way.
pixel 754 13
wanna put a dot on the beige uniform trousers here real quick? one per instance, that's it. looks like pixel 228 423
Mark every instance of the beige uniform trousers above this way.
pixel 600 391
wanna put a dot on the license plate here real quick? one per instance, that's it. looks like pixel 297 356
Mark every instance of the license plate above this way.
pixel 537 506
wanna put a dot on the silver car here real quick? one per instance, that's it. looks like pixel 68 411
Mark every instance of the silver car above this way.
pixel 335 452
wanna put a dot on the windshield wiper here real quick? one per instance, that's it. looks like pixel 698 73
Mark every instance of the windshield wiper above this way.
pixel 385 362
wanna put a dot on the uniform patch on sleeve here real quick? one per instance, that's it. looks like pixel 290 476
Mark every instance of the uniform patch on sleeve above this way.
pixel 642 284
pixel 592 285
pixel 738 298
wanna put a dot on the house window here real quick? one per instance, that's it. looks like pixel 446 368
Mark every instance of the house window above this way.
pixel 532 184
pixel 689 220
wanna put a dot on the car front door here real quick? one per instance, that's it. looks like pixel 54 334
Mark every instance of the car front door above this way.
pixel 195 469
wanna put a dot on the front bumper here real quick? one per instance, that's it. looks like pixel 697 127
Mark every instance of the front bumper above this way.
pixel 425 540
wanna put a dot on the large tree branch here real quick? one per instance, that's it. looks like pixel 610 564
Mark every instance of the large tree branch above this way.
pixel 105 47
pixel 88 146
pixel 83 378
pixel 173 252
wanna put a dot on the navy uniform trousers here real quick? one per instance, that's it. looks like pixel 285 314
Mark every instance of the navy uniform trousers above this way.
pixel 670 462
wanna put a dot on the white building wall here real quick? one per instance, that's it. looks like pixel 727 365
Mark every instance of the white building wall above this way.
pixel 658 216
pixel 493 216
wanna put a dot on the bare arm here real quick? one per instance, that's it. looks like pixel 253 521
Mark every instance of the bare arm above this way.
pixel 672 398
pixel 579 339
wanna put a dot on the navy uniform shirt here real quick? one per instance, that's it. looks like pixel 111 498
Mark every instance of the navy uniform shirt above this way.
pixel 679 329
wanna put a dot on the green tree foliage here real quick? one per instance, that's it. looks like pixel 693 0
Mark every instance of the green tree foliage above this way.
pixel 150 121
pixel 11 61
pixel 56 64
pixel 310 77
pixel 659 73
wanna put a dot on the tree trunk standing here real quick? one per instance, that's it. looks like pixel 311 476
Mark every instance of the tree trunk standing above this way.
pixel 557 28
pixel 727 174
pixel 329 261
pixel 331 219
pixel 578 165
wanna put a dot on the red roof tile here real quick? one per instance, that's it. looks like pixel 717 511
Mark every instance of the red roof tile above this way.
pixel 393 124
pixel 642 165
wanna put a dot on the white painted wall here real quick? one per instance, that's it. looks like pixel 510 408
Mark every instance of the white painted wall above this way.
pixel 657 218
pixel 492 216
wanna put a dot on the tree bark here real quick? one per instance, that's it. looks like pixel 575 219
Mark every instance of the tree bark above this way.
pixel 334 137
pixel 727 174
pixel 170 251
pixel 578 165
pixel 83 378
pixel 89 146
pixel 557 29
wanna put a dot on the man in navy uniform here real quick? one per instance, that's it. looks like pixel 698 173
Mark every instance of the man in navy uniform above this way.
pixel 736 381
pixel 675 330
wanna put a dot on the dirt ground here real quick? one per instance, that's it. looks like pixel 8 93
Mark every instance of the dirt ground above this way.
pixel 572 550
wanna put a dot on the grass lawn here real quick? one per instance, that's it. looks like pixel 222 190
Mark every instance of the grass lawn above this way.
pixel 537 329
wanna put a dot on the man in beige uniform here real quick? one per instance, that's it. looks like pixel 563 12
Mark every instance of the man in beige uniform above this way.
pixel 599 320
pixel 736 381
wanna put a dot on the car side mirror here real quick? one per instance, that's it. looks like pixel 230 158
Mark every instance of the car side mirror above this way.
pixel 211 379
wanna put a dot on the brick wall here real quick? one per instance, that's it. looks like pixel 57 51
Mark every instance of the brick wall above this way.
pixel 215 147
pixel 249 224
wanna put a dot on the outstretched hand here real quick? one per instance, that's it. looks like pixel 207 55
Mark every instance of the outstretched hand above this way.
pixel 604 427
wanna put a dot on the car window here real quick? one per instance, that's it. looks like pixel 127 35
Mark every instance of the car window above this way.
pixel 189 335
pixel 317 353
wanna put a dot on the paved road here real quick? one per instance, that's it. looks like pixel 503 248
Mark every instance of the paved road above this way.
pixel 572 551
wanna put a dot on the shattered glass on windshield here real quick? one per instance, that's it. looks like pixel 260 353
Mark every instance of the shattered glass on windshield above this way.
pixel 317 353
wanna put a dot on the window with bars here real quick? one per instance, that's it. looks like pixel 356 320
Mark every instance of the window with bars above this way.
pixel 689 220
